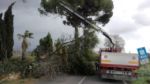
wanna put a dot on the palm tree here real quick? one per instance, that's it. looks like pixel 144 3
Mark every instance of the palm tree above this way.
pixel 24 44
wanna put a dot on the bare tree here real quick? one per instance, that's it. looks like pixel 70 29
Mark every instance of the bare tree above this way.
pixel 119 42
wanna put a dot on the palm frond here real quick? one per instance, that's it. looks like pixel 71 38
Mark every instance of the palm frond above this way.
pixel 30 35
pixel 20 36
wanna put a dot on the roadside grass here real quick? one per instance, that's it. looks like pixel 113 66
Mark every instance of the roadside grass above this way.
pixel 143 75
pixel 29 57
pixel 19 81
pixel 13 67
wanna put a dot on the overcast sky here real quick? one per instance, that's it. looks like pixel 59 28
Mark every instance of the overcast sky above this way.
pixel 130 20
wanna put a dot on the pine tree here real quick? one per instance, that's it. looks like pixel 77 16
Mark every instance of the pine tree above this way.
pixel 45 46
pixel 81 48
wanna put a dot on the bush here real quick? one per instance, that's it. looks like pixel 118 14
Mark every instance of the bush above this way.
pixel 14 66
pixel 48 69
pixel 80 66
pixel 143 75
pixel 142 80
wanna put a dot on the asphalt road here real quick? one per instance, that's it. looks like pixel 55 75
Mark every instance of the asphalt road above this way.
pixel 67 79
pixel 97 80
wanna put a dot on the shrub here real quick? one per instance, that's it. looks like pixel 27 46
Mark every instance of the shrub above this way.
pixel 80 66
pixel 14 66
pixel 45 69
pixel 143 75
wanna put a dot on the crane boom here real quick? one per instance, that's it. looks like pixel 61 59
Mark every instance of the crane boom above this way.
pixel 95 27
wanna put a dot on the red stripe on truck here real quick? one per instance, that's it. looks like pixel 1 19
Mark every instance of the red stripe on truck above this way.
pixel 118 66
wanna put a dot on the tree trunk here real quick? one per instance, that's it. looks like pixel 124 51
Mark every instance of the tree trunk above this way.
pixel 85 43
pixel 24 48
pixel 23 55
pixel 77 41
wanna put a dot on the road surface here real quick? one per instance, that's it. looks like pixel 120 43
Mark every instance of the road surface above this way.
pixel 67 79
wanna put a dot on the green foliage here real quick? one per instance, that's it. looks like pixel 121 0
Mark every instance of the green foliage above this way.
pixel 6 34
pixel 83 7
pixel 142 80
pixel 49 69
pixel 88 43
pixel 95 57
pixel 143 75
pixel 84 62
pixel 8 19
pixel 45 46
pixel 29 68
pixel 14 66
pixel 79 65
pixel 56 57
pixel 62 52
pixel 80 54
pixel 47 43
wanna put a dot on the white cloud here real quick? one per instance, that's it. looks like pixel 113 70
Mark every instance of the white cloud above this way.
pixel 120 26
pixel 139 41
pixel 122 21
pixel 142 17
pixel 144 5
pixel 131 23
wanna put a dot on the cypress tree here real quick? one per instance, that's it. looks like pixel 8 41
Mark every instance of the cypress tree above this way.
pixel 6 34
pixel 2 39
pixel 8 18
